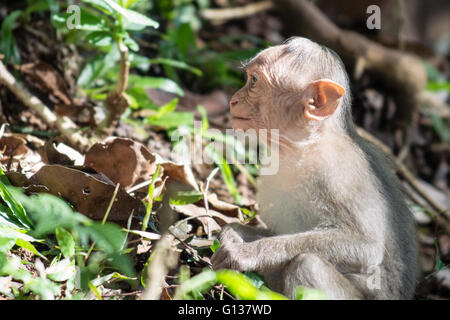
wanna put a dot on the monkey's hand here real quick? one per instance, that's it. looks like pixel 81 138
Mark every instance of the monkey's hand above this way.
pixel 237 256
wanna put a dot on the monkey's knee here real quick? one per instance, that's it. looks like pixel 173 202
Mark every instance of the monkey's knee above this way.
pixel 310 270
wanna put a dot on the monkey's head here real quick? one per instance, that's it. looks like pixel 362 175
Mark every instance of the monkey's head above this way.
pixel 297 87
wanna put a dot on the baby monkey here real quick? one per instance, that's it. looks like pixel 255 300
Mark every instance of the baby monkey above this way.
pixel 336 218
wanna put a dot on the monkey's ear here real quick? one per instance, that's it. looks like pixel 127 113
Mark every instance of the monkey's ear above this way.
pixel 324 99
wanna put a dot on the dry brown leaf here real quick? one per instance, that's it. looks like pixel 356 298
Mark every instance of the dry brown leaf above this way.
pixel 178 172
pixel 226 208
pixel 51 155
pixel 48 80
pixel 17 179
pixel 12 145
pixel 165 295
pixel 122 160
pixel 15 154
pixel 89 192
pixel 129 163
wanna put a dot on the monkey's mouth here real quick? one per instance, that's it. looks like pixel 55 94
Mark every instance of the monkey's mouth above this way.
pixel 239 118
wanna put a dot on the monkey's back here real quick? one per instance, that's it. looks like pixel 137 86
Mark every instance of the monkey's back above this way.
pixel 400 266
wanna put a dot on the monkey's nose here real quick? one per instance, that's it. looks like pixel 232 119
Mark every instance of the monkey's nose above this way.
pixel 233 103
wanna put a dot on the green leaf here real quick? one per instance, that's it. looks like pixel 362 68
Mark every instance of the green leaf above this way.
pixel 241 287
pixel 140 99
pixel 177 64
pixel 133 20
pixel 16 211
pixel 249 213
pixel 49 212
pixel 3 178
pixel 149 204
pixel 205 122
pixel 155 83
pixel 203 280
pixel 61 271
pixel 38 6
pixel 42 287
pixel 172 120
pixel 438 86
pixel 184 38
pixel 439 264
pixel 433 74
pixel 130 43
pixel 66 242
pixel 123 263
pixel 441 127
pixel 6 244
pixel 98 67
pixel 128 3
pixel 101 5
pixel 27 245
pixel 108 236
pixel 100 38
pixel 215 246
pixel 88 21
pixel 138 61
pixel 225 169
pixel 185 197
pixel 8 44
pixel 238 284
pixel 167 118
pixel 95 291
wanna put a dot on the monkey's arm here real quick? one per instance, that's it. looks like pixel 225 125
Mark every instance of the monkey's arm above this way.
pixel 270 253
pixel 240 233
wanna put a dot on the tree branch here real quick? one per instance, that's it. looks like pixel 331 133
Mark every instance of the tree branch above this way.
pixel 64 125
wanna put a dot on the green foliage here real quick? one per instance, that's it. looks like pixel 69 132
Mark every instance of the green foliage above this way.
pixel 149 204
pixel 13 212
pixel 248 286
pixel 441 127
pixel 250 214
pixel 49 217
pixel 239 285
pixel 8 44
pixel 185 197
pixel 215 246
pixel 439 265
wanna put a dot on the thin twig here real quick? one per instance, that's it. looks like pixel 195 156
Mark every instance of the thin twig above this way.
pixel 238 12
pixel 105 217
pixel 205 196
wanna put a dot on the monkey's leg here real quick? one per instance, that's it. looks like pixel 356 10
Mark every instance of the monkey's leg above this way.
pixel 312 271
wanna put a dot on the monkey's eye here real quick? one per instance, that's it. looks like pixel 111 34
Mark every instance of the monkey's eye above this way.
pixel 253 80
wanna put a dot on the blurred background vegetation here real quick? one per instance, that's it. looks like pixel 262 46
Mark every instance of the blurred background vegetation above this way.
pixel 145 70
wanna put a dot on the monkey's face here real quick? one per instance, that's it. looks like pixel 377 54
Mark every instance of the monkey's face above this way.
pixel 280 95
pixel 259 104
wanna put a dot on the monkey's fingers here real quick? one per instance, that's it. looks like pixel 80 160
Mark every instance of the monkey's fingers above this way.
pixel 218 258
